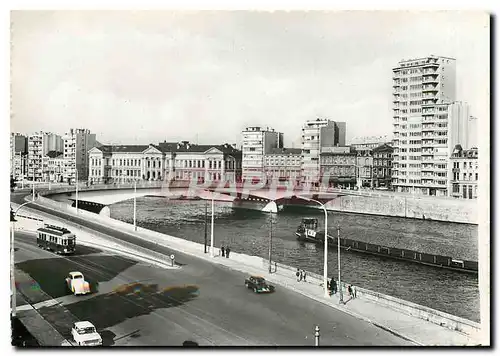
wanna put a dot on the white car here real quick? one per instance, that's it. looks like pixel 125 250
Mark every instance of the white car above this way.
pixel 85 334
pixel 77 284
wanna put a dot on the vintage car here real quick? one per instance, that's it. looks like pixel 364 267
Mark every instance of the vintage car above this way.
pixel 85 334
pixel 77 284
pixel 258 284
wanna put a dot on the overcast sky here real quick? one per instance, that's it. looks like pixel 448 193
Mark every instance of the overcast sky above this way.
pixel 145 77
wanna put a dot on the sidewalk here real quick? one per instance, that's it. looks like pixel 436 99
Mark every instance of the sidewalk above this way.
pixel 27 294
pixel 419 331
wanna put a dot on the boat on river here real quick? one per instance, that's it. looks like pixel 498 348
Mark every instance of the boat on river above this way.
pixel 308 232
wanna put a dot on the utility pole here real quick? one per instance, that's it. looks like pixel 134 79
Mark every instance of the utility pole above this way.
pixel 135 205
pixel 316 335
pixel 206 225
pixel 270 238
pixel 338 253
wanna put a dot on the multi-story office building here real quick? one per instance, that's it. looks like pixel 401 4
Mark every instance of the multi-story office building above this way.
pixel 382 165
pixel 167 160
pixel 283 164
pixel 338 166
pixel 77 143
pixel 422 90
pixel 317 134
pixel 39 144
pixel 18 152
pixel 464 173
pixel 256 143
pixel 472 138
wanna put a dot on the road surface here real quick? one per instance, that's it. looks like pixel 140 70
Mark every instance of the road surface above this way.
pixel 137 304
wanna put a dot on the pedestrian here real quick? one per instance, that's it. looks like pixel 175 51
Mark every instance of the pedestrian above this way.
pixel 334 286
pixel 349 290
pixel 304 273
pixel 227 252
pixel 298 275
pixel 222 250
pixel 301 276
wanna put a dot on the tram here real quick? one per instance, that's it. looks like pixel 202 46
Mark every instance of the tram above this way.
pixel 56 239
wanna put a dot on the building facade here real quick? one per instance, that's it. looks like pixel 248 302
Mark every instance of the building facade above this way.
pixel 256 143
pixel 338 167
pixel 422 91
pixel 317 134
pixel 283 164
pixel 464 173
pixel 53 167
pixel 382 166
pixel 77 143
pixel 39 144
pixel 364 169
pixel 172 161
pixel 366 144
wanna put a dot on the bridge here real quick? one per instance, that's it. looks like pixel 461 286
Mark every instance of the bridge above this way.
pixel 96 198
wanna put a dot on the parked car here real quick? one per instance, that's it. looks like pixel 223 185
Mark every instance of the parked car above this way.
pixel 85 334
pixel 76 283
pixel 258 284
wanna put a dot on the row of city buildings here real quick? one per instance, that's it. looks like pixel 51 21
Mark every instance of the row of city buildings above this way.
pixel 45 156
pixel 433 149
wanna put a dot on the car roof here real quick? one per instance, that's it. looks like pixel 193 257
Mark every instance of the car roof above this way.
pixel 84 324
pixel 257 277
pixel 75 272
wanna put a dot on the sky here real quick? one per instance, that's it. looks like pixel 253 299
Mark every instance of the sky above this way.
pixel 144 77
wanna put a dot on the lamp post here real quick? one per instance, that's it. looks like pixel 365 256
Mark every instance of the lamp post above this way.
pixel 270 238
pixel 135 205
pixel 76 201
pixel 206 225
pixel 12 264
pixel 33 196
pixel 212 230
pixel 325 265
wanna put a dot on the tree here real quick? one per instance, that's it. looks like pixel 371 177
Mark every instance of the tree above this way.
pixel 12 183
pixel 12 216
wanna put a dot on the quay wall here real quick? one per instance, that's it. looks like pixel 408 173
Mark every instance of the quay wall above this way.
pixel 426 208
pixel 435 316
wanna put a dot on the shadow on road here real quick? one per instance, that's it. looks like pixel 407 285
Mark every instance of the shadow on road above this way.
pixel 50 273
pixel 85 250
pixel 130 301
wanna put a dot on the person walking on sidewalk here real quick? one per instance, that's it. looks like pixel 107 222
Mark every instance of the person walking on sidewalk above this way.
pixel 304 274
pixel 222 250
pixel 333 285
pixel 298 275
pixel 227 251
pixel 349 290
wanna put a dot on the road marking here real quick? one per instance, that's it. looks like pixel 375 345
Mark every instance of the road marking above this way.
pixel 24 307
pixel 47 303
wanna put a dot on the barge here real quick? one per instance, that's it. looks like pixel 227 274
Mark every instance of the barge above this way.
pixel 308 232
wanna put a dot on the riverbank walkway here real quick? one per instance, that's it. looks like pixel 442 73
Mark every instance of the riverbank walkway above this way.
pixel 419 331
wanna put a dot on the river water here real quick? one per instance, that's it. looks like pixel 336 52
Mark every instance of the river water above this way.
pixel 247 231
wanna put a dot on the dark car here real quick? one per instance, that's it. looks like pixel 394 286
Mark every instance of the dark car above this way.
pixel 258 284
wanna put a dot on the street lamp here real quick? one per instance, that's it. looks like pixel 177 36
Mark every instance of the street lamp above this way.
pixel 12 275
pixel 135 205
pixel 325 265
pixel 212 229
pixel 76 202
